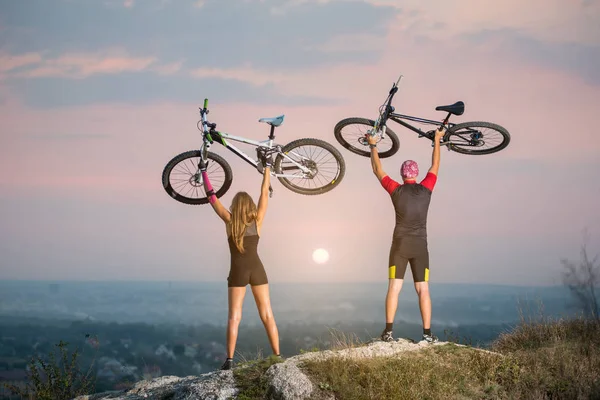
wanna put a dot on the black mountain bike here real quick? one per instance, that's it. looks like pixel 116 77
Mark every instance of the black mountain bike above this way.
pixel 305 166
pixel 465 138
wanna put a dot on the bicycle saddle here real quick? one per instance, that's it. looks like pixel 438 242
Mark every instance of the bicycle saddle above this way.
pixel 457 108
pixel 276 121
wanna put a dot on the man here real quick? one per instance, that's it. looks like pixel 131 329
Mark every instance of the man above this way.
pixel 409 244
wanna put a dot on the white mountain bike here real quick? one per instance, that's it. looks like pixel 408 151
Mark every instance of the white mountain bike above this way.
pixel 304 166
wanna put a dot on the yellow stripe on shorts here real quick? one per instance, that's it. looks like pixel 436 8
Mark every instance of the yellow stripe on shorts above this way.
pixel 392 271
pixel 426 274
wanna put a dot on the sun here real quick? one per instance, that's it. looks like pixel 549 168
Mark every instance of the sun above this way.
pixel 320 256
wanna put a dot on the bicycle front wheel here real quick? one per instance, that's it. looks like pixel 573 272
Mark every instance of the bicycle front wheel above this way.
pixel 182 179
pixel 350 133
pixel 477 138
pixel 325 166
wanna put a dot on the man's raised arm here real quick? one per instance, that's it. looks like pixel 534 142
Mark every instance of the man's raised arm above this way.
pixel 435 157
pixel 375 162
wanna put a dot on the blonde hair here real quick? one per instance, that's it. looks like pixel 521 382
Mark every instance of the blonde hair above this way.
pixel 243 213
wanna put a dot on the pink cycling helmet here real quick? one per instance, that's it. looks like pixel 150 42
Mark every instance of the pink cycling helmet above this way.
pixel 409 169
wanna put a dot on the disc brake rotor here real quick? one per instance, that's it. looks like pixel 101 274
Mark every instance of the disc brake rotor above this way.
pixel 312 166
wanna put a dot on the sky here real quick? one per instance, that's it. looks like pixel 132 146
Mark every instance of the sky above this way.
pixel 96 96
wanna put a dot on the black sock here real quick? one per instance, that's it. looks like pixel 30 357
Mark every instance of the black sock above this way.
pixel 388 327
pixel 427 331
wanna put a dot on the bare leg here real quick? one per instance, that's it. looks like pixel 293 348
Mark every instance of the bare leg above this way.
pixel 422 289
pixel 391 299
pixel 236 300
pixel 263 303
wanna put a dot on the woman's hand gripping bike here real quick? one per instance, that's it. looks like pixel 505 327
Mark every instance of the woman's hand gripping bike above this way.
pixel 465 138
pixel 304 166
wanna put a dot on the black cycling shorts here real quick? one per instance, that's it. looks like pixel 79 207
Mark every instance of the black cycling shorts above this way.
pixel 411 250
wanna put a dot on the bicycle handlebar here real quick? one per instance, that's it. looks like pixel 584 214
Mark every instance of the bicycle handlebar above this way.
pixel 205 104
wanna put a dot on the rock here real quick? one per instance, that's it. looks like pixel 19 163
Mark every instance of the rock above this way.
pixel 218 385
pixel 288 382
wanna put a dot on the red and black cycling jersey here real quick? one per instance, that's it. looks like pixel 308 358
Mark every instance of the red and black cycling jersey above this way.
pixel 411 203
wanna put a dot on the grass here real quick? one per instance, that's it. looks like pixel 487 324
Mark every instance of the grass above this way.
pixel 250 378
pixel 340 340
pixel 538 359
pixel 561 358
pixel 440 372
pixel 542 359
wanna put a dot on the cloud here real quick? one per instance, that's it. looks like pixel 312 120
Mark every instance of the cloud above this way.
pixel 218 34
pixel 578 58
pixel 245 74
pixel 551 21
pixel 82 65
pixel 9 62
pixel 353 43
pixel 168 69
pixel 128 3
pixel 148 87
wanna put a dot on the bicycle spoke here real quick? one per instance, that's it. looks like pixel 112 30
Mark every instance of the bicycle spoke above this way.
pixel 355 134
pixel 186 180
pixel 490 138
pixel 318 160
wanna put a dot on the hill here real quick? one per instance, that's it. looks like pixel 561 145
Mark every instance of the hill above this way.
pixel 536 360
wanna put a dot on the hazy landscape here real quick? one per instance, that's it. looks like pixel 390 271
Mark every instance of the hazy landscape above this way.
pixel 193 303
pixel 136 330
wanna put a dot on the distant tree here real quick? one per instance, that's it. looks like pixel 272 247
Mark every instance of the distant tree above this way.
pixel 583 280
pixel 178 349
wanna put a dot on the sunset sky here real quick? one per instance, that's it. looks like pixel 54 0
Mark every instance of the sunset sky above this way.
pixel 96 96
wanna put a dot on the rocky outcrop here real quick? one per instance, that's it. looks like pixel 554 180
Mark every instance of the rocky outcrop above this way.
pixel 212 386
pixel 286 379
pixel 288 382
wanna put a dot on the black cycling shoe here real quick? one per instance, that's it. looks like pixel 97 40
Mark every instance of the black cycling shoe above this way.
pixel 430 338
pixel 386 336
pixel 227 365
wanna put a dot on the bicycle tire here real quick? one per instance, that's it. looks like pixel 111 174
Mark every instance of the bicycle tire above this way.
pixel 466 149
pixel 354 148
pixel 330 183
pixel 175 194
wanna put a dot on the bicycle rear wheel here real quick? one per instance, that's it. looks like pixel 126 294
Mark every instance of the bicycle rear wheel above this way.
pixel 182 179
pixel 477 138
pixel 350 133
pixel 326 165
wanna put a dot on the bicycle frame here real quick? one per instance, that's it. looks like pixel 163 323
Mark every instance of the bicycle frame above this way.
pixel 389 114
pixel 210 135
pixel 398 118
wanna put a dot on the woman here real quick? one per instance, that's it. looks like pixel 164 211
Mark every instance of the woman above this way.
pixel 243 225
